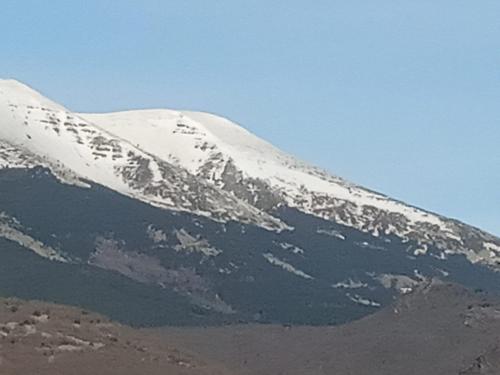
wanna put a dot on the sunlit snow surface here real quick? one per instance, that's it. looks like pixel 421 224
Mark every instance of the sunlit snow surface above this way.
pixel 208 146
pixel 190 139
pixel 36 131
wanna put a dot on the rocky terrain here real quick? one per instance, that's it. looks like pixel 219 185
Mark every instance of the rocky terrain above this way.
pixel 438 329
pixel 40 338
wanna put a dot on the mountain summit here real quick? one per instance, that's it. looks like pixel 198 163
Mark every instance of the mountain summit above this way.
pixel 37 131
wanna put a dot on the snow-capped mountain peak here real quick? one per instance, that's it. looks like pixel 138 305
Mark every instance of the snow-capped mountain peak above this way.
pixel 228 156
pixel 18 92
pixel 36 131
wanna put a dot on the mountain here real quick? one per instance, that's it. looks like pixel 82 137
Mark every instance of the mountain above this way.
pixel 173 217
pixel 37 131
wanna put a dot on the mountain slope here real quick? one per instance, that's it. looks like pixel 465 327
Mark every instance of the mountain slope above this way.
pixel 147 266
pixel 41 338
pixel 183 218
pixel 438 329
pixel 224 154
pixel 34 131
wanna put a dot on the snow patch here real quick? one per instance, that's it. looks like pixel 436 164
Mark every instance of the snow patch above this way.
pixel 371 246
pixel 292 248
pixel 350 284
pixel 362 301
pixel 9 231
pixel 492 247
pixel 331 233
pixel 286 266
pixel 421 251
pixel 191 244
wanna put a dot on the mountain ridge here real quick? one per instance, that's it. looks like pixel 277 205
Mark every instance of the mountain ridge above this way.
pixel 33 126
pixel 227 166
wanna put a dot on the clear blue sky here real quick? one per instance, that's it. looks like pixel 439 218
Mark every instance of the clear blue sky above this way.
pixel 400 96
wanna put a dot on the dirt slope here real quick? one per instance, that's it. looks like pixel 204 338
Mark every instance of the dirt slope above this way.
pixel 45 339
pixel 438 329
